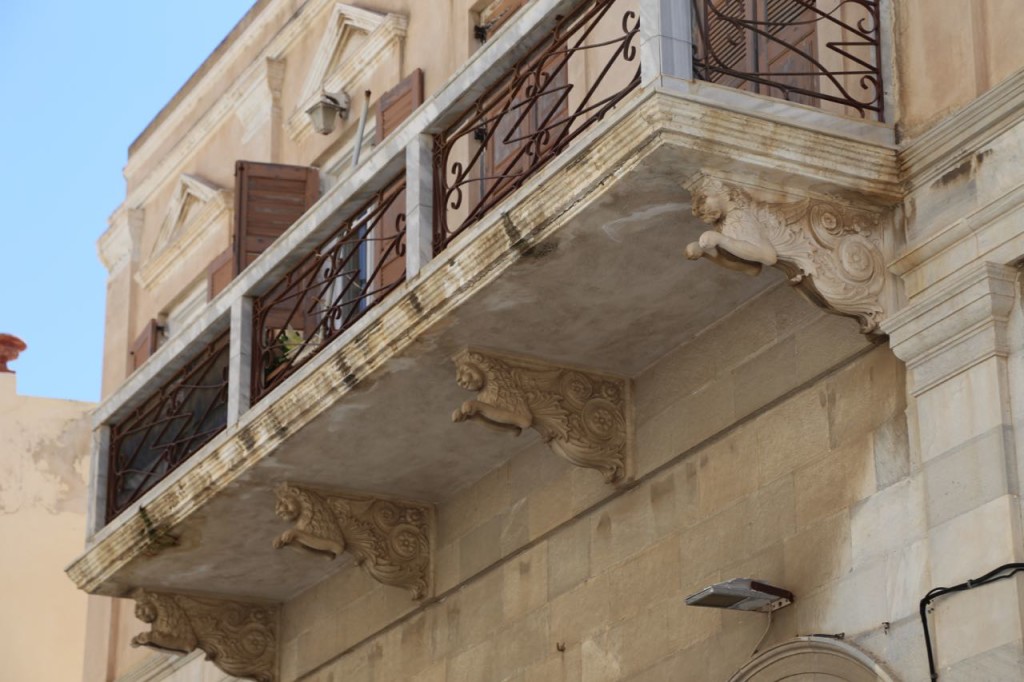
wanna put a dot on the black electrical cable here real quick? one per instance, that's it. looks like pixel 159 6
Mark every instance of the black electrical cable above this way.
pixel 990 577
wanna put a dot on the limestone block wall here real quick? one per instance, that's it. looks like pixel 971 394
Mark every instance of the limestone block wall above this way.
pixel 774 445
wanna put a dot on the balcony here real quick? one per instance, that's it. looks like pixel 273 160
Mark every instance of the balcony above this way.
pixel 537 205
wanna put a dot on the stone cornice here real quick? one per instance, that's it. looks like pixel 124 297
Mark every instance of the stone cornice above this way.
pixel 383 32
pixel 718 137
pixel 960 135
pixel 973 237
pixel 390 539
pixel 585 418
pixel 239 638
pixel 956 325
pixel 115 245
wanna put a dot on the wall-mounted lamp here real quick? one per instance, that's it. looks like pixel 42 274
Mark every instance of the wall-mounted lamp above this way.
pixel 742 594
pixel 323 113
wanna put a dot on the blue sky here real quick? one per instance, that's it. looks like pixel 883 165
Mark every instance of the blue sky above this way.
pixel 80 82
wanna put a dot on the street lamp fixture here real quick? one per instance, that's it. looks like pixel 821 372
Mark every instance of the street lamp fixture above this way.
pixel 324 112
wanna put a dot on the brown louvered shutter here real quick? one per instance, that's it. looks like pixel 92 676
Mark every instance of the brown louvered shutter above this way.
pixel 144 345
pixel 792 29
pixel 269 197
pixel 219 273
pixel 394 106
pixel 496 15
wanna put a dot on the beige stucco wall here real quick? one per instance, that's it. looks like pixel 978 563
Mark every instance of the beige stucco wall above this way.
pixel 949 53
pixel 773 446
pixel 45 448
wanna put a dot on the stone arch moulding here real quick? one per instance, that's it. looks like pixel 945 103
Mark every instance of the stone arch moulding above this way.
pixel 583 417
pixel 829 248
pixel 391 540
pixel 813 658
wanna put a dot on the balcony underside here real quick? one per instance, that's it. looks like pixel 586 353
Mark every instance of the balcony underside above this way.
pixel 582 266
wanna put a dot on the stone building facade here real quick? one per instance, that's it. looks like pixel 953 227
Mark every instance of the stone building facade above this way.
pixel 731 288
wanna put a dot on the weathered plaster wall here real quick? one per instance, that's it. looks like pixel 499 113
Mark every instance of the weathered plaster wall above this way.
pixel 44 445
pixel 949 53
pixel 774 445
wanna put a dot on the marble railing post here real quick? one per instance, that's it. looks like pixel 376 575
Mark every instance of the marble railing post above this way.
pixel 96 514
pixel 955 340
pixel 666 40
pixel 240 359
pixel 419 204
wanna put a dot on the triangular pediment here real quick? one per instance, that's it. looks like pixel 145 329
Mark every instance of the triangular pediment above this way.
pixel 193 198
pixel 355 39
pixel 195 205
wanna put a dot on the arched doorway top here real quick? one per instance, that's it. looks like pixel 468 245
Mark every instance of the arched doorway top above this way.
pixel 813 659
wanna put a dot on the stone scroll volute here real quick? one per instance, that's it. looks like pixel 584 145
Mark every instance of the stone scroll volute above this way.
pixel 830 250
pixel 389 539
pixel 582 416
pixel 239 638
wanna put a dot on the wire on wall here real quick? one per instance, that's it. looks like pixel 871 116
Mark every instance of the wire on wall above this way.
pixel 1003 572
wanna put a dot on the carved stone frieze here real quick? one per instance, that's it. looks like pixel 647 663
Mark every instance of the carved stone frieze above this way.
pixel 830 251
pixel 239 638
pixel 388 538
pixel 583 417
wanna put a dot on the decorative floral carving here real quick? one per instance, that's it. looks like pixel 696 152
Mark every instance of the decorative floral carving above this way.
pixel 389 539
pixel 239 638
pixel 830 251
pixel 580 415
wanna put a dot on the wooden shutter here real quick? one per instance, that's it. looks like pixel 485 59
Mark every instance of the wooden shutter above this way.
pixel 394 106
pixel 496 15
pixel 144 345
pixel 219 273
pixel 269 197
pixel 791 24
pixel 785 24
pixel 732 46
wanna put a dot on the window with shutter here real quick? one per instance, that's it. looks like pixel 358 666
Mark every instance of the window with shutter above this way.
pixel 755 44
pixel 145 344
pixel 394 106
pixel 269 197
pixel 496 15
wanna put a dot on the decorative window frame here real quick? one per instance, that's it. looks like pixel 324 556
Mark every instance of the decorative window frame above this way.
pixel 384 32
pixel 182 229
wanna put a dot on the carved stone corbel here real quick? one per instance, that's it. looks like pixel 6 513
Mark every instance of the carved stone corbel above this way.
pixel 830 251
pixel 239 638
pixel 582 416
pixel 389 539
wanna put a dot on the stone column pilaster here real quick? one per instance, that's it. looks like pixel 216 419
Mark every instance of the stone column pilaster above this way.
pixel 954 339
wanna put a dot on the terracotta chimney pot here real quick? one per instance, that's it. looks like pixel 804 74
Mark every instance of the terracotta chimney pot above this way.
pixel 10 347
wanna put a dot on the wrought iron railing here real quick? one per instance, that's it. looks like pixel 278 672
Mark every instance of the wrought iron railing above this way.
pixel 818 52
pixel 332 287
pixel 169 427
pixel 583 68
